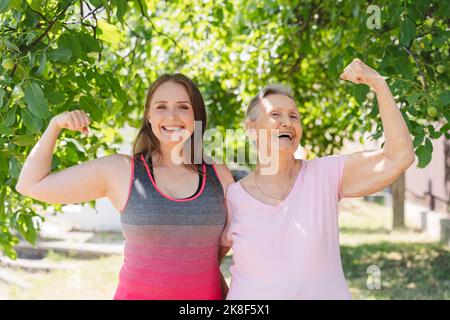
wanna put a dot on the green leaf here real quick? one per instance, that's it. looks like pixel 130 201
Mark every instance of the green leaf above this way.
pixel 34 124
pixel 2 94
pixel 60 55
pixel 69 41
pixel 444 98
pixel 335 66
pixel 42 63
pixel 418 139
pixel 4 130
pixel 18 5
pixel 23 140
pixel 36 5
pixel 88 43
pixel 121 6
pixel 11 46
pixel 87 103
pixel 95 3
pixel 404 67
pixel 424 153
pixel 407 31
pixel 26 227
pixel 359 92
pixel 10 117
pixel 4 5
pixel 34 97
pixel 56 97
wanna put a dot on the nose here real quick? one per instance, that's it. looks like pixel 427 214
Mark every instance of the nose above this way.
pixel 173 112
pixel 285 121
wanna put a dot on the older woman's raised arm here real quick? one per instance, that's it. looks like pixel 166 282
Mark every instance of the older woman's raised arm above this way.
pixel 370 171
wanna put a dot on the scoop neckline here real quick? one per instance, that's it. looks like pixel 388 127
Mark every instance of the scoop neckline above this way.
pixel 203 182
pixel 291 192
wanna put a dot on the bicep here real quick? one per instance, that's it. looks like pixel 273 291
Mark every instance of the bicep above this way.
pixel 79 183
pixel 367 172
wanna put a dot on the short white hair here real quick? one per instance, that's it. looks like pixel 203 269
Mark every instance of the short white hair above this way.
pixel 276 88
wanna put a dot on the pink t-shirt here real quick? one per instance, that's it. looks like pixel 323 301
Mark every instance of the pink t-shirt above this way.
pixel 289 251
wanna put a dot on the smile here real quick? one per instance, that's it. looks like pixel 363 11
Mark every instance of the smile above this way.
pixel 285 135
pixel 172 128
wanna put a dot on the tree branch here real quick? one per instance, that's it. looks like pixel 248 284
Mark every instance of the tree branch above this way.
pixel 417 64
pixel 47 30
pixel 157 31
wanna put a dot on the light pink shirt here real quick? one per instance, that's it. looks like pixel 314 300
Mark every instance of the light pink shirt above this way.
pixel 289 251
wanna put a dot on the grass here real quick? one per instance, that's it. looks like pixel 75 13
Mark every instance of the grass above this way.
pixel 411 266
pixel 90 279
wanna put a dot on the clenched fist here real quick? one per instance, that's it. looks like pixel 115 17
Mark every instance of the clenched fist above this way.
pixel 358 72
pixel 76 120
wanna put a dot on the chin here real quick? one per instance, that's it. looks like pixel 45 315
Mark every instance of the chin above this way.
pixel 287 150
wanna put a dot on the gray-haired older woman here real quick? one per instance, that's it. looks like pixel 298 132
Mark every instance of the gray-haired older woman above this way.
pixel 283 226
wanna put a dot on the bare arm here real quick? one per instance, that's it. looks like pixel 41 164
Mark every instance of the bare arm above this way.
pixel 79 183
pixel 226 178
pixel 370 171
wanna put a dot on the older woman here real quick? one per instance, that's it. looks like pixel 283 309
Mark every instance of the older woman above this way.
pixel 283 226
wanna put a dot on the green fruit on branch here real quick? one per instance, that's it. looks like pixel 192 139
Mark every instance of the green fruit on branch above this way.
pixel 440 68
pixel 432 112
pixel 8 64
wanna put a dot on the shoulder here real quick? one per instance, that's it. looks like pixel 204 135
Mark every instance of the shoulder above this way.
pixel 224 174
pixel 329 160
pixel 117 168
pixel 330 166
pixel 117 161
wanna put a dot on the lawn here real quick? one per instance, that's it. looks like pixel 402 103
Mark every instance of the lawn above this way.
pixel 410 265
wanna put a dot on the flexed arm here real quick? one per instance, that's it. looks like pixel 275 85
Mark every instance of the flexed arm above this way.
pixel 370 171
pixel 79 183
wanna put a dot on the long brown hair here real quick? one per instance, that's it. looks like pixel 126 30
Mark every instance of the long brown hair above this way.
pixel 147 143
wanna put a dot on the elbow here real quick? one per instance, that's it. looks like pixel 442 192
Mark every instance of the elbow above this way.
pixel 406 160
pixel 20 188
pixel 23 189
pixel 411 158
pixel 402 159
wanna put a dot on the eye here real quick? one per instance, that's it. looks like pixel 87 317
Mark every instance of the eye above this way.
pixel 294 116
pixel 161 107
pixel 275 114
pixel 184 107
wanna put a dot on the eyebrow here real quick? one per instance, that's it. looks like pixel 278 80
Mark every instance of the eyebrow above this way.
pixel 161 101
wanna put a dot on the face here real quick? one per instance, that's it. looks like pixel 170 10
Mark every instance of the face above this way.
pixel 171 114
pixel 278 114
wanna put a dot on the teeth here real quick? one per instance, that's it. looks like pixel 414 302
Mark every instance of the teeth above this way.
pixel 172 128
pixel 285 134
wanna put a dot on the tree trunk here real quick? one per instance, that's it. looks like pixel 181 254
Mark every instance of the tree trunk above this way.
pixel 398 202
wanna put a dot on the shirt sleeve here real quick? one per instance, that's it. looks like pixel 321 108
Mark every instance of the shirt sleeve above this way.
pixel 333 167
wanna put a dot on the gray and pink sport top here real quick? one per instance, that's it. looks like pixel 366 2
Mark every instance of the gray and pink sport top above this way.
pixel 171 245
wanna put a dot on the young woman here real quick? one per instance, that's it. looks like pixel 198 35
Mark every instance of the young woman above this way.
pixel 284 226
pixel 172 213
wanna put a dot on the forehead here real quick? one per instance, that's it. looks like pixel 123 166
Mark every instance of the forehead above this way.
pixel 280 101
pixel 170 91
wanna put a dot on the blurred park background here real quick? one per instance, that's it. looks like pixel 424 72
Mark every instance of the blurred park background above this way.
pixel 102 55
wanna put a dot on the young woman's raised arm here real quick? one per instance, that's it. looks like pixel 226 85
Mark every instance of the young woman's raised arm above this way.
pixel 80 183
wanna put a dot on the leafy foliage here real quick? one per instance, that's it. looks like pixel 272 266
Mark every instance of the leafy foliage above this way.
pixel 101 56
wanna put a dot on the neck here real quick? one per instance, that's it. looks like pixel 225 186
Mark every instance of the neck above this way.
pixel 283 165
pixel 166 153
